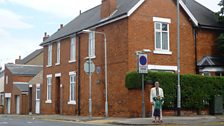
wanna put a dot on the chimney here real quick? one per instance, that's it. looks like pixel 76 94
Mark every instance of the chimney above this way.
pixel 108 7
pixel 61 26
pixel 80 12
pixel 17 61
pixel 45 36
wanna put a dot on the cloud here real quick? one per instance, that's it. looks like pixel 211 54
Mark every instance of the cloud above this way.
pixel 11 20
pixel 2 1
pixel 12 48
pixel 4 33
pixel 211 4
pixel 61 8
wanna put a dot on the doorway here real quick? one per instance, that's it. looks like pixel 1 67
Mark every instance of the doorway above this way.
pixel 37 110
pixel 8 104
pixel 58 96
pixel 17 97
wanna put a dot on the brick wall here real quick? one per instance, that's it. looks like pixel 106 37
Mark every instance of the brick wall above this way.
pixel 64 68
pixel 9 88
pixel 142 21
pixel 205 42
pixel 124 37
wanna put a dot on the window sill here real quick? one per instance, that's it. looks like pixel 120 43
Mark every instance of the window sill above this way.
pixel 49 66
pixel 72 102
pixel 162 52
pixel 72 61
pixel 57 64
pixel 48 101
pixel 93 57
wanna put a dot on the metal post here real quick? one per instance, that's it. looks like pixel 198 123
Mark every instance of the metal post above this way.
pixel 106 81
pixel 143 100
pixel 90 83
pixel 178 60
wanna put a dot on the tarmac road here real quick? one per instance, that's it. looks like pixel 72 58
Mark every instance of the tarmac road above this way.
pixel 8 121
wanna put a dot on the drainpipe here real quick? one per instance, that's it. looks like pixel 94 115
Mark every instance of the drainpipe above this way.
pixel 79 76
pixel 195 49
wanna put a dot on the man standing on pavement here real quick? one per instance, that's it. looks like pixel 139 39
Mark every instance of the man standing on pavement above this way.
pixel 156 91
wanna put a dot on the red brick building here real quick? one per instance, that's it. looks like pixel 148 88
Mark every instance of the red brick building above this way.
pixel 17 89
pixel 129 25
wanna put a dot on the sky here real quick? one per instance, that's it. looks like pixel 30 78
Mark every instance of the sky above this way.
pixel 23 22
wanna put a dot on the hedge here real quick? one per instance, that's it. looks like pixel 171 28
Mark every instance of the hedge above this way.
pixel 196 91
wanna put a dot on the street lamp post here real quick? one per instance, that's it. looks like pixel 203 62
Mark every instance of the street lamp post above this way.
pixel 90 84
pixel 178 60
pixel 105 63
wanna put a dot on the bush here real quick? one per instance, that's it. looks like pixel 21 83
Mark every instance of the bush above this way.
pixel 133 81
pixel 196 90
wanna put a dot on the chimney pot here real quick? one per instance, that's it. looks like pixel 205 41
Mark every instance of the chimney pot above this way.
pixel 17 61
pixel 46 36
pixel 61 26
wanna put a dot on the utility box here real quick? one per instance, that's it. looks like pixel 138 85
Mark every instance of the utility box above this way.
pixel 216 107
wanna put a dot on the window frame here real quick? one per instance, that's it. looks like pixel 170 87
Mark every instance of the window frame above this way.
pixel 37 90
pixel 49 54
pixel 7 79
pixel 72 101
pixel 58 51
pixel 72 50
pixel 49 95
pixel 161 22
pixel 92 45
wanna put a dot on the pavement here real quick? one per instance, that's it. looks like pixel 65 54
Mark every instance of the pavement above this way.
pixel 167 121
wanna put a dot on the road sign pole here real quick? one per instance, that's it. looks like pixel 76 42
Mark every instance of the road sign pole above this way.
pixel 143 99
pixel 143 68
pixel 90 84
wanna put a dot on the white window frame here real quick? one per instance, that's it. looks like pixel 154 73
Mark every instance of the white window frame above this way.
pixel 37 89
pixel 92 45
pixel 6 79
pixel 162 21
pixel 49 54
pixel 58 53
pixel 72 101
pixel 49 98
pixel 72 49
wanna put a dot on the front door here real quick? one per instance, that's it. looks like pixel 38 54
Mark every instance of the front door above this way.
pixel 58 96
pixel 8 105
pixel 17 104
pixel 37 111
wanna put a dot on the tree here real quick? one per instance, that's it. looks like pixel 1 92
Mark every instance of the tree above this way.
pixel 219 44
pixel 221 12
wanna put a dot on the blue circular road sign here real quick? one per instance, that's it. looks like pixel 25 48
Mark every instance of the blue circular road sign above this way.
pixel 143 60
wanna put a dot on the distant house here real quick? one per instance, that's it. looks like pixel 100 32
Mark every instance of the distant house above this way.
pixel 18 91
pixel 17 87
pixel 129 26
pixel 35 58
pixel 2 88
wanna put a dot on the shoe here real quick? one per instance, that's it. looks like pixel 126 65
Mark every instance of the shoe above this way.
pixel 153 121
pixel 161 121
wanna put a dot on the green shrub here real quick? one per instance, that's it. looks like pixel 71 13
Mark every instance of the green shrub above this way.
pixel 196 90
pixel 133 81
